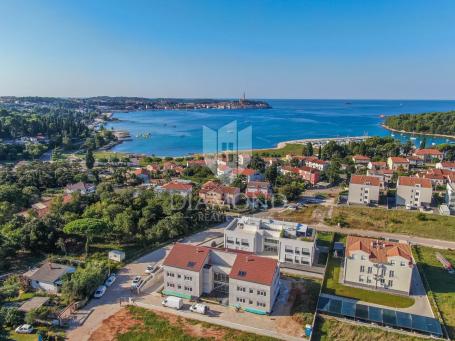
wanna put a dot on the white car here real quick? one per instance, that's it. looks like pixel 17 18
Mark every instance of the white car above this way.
pixel 100 291
pixel 111 279
pixel 136 281
pixel 24 329
pixel 149 268
pixel 199 308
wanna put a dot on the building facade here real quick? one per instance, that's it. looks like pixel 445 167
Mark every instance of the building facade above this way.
pixel 250 282
pixel 378 265
pixel 364 190
pixel 413 191
pixel 292 243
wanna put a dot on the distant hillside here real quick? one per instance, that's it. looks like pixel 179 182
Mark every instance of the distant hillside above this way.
pixel 442 123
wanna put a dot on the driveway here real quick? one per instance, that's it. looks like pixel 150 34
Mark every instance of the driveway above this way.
pixel 109 304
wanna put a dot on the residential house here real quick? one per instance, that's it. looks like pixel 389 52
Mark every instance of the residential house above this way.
pixel 446 165
pixel 292 243
pixel 378 265
pixel 174 187
pixel 450 195
pixel 398 163
pixel 386 175
pixel 364 190
pixel 309 174
pixel 48 277
pixel 249 173
pixel 413 191
pixel 415 162
pixel 154 168
pixel 377 165
pixel 257 189
pixel 361 161
pixel 195 163
pixel 142 174
pixel 320 165
pixel 250 282
pixel 214 193
pixel 429 154
pixel 244 159
pixel 81 187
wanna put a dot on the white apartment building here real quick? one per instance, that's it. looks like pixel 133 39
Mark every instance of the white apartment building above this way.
pixel 450 195
pixel 292 243
pixel 249 281
pixel 364 189
pixel 378 265
pixel 413 191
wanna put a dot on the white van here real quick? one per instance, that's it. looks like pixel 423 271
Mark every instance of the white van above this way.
pixel 173 302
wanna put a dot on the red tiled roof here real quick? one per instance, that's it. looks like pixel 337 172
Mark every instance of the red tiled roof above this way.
pixel 291 169
pixel 378 250
pixel 365 180
pixel 320 162
pixel 140 171
pixel 246 171
pixel 379 163
pixel 187 256
pixel 255 269
pixel 448 164
pixel 361 158
pixel 399 159
pixel 178 186
pixel 309 169
pixel 412 181
pixel 428 151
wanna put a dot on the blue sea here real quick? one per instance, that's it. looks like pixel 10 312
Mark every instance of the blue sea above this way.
pixel 179 132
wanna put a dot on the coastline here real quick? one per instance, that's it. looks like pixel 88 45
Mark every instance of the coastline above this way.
pixel 452 137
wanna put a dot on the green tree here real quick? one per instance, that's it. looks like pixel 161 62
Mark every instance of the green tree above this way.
pixel 88 227
pixel 89 159
pixel 271 173
pixel 309 149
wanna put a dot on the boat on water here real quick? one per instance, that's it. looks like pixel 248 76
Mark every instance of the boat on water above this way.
pixel 413 138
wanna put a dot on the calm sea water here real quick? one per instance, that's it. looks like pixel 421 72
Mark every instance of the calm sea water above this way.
pixel 178 133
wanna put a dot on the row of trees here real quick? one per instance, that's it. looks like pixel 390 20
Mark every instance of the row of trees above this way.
pixel 430 123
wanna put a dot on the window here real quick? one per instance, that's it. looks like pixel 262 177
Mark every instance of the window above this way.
pixel 402 263
pixel 243 289
pixel 362 268
pixel 179 286
pixel 230 241
pixel 391 273
pixel 191 264
pixel 240 299
pixel 251 291
pixel 261 304
pixel 361 279
pixel 242 273
pixel 390 283
pixel 188 278
pixel 382 280
pixel 383 272
pixel 305 251
pixel 392 262
pixel 296 260
pixel 188 288
pixel 250 301
pixel 261 293
pixel 171 285
pixel 370 269
pixel 362 257
pixel 179 276
pixel 288 249
pixel 368 279
pixel 245 242
pixel 297 251
pixel 170 274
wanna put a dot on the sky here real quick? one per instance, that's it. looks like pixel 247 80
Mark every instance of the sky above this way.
pixel 366 49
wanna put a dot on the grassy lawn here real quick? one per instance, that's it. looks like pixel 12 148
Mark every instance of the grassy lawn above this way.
pixel 328 329
pixel 22 337
pixel 332 286
pixel 155 327
pixel 398 221
pixel 107 155
pixel 304 293
pixel 441 283
pixel 324 239
pixel 295 149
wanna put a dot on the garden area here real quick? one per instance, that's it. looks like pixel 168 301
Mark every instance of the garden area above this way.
pixel 396 221
pixel 440 285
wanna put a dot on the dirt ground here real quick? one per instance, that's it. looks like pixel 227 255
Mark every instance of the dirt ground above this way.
pixel 123 321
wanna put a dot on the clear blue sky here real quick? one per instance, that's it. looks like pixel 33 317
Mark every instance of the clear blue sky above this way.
pixel 214 48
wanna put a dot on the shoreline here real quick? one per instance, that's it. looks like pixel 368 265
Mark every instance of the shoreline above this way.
pixel 452 137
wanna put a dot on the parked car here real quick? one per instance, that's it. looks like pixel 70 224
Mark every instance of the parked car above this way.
pixel 100 291
pixel 111 279
pixel 136 281
pixel 173 302
pixel 149 268
pixel 24 329
pixel 199 308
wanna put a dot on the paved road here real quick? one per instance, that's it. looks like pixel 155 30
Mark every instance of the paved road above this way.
pixel 109 304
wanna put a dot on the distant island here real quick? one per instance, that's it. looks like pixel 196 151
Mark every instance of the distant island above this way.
pixel 104 104
pixel 433 123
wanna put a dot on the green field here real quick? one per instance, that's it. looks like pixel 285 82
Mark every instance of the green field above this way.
pixel 440 284
pixel 155 327
pixel 398 221
pixel 328 329
pixel 333 287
